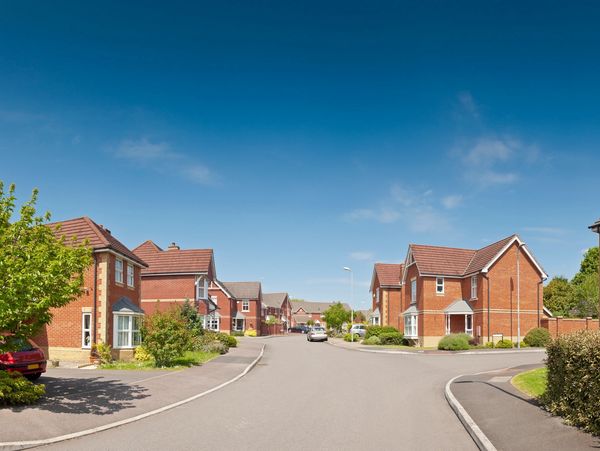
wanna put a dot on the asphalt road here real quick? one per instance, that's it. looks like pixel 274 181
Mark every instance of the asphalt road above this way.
pixel 315 396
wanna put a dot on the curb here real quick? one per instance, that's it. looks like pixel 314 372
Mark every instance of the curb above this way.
pixel 480 439
pixel 105 427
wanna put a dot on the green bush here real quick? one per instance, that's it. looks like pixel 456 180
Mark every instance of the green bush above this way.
pixel 391 338
pixel 374 340
pixel 504 344
pixel 227 340
pixel 573 389
pixel 214 346
pixel 538 337
pixel 454 342
pixel 141 354
pixel 16 389
pixel 237 333
pixel 376 331
pixel 166 337
pixel 348 337
pixel 489 344
pixel 103 351
pixel 193 320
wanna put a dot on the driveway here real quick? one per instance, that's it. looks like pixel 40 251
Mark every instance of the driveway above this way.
pixel 317 396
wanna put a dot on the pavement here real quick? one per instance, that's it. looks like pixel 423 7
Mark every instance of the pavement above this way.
pixel 512 420
pixel 312 395
pixel 83 399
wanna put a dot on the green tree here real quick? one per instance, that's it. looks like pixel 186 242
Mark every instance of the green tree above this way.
pixel 193 320
pixel 38 271
pixel 166 337
pixel 559 296
pixel 586 296
pixel 336 315
pixel 589 265
pixel 359 317
pixel 310 322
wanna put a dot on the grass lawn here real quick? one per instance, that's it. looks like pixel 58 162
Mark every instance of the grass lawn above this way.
pixel 532 383
pixel 191 358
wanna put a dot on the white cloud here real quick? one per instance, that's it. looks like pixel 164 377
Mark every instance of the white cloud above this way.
pixel 161 157
pixel 452 201
pixel 467 104
pixel 362 255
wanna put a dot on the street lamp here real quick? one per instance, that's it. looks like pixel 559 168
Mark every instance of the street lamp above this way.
pixel 351 300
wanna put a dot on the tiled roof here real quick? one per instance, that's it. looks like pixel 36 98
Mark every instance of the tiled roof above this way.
pixel 174 260
pixel 449 261
pixel 98 237
pixel 313 307
pixel 389 274
pixel 274 299
pixel 243 290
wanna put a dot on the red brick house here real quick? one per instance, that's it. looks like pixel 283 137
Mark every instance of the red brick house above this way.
pixel 386 291
pixel 175 275
pixel 245 306
pixel 277 306
pixel 109 310
pixel 303 311
pixel 479 292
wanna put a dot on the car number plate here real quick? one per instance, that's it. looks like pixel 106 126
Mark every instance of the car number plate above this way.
pixel 33 366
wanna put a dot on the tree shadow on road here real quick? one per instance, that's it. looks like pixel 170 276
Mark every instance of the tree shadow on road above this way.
pixel 95 395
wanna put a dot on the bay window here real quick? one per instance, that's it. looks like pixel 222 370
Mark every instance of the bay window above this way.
pixel 127 331
pixel 410 326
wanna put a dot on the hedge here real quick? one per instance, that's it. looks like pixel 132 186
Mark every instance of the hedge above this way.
pixel 504 344
pixel 374 340
pixel 574 379
pixel 391 338
pixel 15 390
pixel 376 331
pixel 538 337
pixel 454 342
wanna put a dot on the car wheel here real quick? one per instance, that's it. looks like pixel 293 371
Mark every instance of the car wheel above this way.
pixel 33 377
pixel 307 338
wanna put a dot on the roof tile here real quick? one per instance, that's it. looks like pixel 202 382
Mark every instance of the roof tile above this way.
pixel 174 260
pixel 389 274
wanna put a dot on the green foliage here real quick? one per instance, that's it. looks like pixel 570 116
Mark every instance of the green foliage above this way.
pixel 586 296
pixel 271 320
pixel 250 333
pixel 558 296
pixel 237 333
pixel 336 315
pixel 504 344
pixel 589 266
pixel 103 351
pixel 359 317
pixel 454 342
pixel 391 338
pixel 532 382
pixel 166 337
pixel 38 271
pixel 373 340
pixel 227 340
pixel 310 322
pixel 489 344
pixel 348 337
pixel 538 337
pixel 215 342
pixel 574 380
pixel 193 320
pixel 214 346
pixel 141 354
pixel 376 331
pixel 16 390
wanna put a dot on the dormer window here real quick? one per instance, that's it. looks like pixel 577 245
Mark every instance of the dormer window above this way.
pixel 202 288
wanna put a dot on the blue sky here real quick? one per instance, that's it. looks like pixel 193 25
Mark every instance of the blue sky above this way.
pixel 296 139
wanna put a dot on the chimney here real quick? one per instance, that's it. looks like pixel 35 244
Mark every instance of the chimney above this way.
pixel 105 229
pixel 173 247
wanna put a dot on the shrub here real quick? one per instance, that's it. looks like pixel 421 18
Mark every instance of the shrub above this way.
pixel 376 331
pixel 103 351
pixel 391 338
pixel 193 320
pixel 214 346
pixel 454 342
pixel 16 389
pixel 141 354
pixel 237 333
pixel 348 337
pixel 166 337
pixel 524 345
pixel 538 337
pixel 250 333
pixel 227 340
pixel 489 344
pixel 504 344
pixel 374 340
pixel 573 389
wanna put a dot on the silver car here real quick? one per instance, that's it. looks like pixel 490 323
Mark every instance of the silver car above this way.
pixel 317 334
pixel 358 329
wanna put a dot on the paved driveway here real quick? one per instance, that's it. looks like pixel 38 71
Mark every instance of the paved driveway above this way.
pixel 316 396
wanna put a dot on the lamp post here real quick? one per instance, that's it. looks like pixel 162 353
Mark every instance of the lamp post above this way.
pixel 596 228
pixel 351 300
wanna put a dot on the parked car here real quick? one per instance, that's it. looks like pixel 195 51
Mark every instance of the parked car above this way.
pixel 317 334
pixel 299 329
pixel 358 329
pixel 27 359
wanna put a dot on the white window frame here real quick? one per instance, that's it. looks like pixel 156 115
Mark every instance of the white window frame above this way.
pixel 212 322
pixel 411 326
pixel 130 275
pixel 474 287
pixel 131 342
pixel 245 305
pixel 235 324
pixel 202 288
pixel 439 285
pixel 214 299
pixel 413 290
pixel 377 295
pixel 119 270
pixel 469 318
pixel 84 329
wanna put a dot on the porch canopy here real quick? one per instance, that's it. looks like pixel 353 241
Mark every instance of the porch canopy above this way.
pixel 374 318
pixel 459 318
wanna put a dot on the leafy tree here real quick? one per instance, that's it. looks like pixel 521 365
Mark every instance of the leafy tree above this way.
pixel 193 320
pixel 359 317
pixel 336 315
pixel 166 337
pixel 589 265
pixel 310 322
pixel 559 296
pixel 586 296
pixel 38 271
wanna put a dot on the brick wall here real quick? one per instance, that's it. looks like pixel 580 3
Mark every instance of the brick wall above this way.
pixel 560 326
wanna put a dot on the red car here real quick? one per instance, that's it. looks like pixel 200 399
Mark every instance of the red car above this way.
pixel 27 359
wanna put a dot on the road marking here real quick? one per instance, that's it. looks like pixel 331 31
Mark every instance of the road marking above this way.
pixel 105 427
pixel 480 439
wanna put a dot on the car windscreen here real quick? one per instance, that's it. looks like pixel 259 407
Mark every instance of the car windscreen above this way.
pixel 318 329
pixel 18 344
